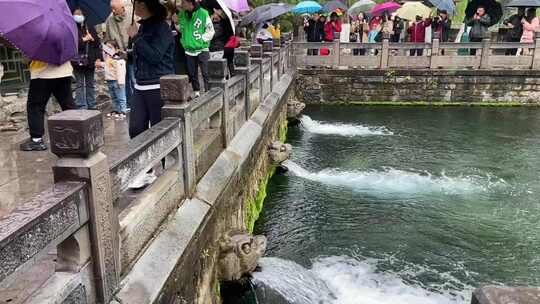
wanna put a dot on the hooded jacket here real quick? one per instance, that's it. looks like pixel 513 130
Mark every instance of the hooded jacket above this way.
pixel 153 51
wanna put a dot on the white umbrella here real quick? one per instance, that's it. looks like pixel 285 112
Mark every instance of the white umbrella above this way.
pixel 361 6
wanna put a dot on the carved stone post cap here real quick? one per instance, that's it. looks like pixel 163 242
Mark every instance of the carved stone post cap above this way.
pixel 76 133
pixel 268 46
pixel 175 88
pixel 217 68
pixel 241 59
pixel 256 50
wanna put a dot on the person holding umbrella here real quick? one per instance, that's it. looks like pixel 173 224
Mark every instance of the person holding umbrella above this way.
pixel 417 34
pixel 332 27
pixel 197 31
pixel 530 26
pixel 84 66
pixel 479 23
pixel 314 31
pixel 515 29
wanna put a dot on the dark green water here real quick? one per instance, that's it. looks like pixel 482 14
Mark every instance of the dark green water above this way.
pixel 413 205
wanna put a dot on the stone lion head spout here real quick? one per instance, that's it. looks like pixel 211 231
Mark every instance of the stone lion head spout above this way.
pixel 279 152
pixel 239 254
pixel 294 109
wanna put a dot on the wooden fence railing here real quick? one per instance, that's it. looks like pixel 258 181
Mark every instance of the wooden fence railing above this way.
pixel 95 224
pixel 436 55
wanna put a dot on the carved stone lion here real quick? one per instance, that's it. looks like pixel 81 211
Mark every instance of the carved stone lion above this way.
pixel 239 254
pixel 279 152
pixel 294 109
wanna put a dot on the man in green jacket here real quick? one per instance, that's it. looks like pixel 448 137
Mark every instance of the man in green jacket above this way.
pixel 197 32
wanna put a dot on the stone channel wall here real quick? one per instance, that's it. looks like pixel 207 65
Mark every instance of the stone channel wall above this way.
pixel 497 87
pixel 220 204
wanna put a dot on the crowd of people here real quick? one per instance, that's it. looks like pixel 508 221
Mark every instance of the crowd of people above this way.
pixel 133 51
pixel 366 29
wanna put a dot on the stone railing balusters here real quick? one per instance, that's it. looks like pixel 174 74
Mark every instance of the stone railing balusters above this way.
pixel 217 73
pixel 176 91
pixel 256 54
pixel 76 138
pixel 267 53
pixel 242 63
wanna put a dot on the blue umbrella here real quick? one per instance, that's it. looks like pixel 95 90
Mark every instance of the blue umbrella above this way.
pixel 95 11
pixel 444 5
pixel 307 7
pixel 334 5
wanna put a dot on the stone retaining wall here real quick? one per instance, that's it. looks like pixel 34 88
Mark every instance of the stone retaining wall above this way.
pixel 419 86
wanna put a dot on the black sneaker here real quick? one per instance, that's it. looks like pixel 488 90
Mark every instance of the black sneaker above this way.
pixel 30 145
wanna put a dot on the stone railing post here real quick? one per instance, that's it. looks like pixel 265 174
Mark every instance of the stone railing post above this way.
pixel 242 63
pixel 176 91
pixel 76 137
pixel 385 51
pixel 434 50
pixel 217 73
pixel 536 54
pixel 336 52
pixel 256 54
pixel 267 53
pixel 277 50
pixel 484 60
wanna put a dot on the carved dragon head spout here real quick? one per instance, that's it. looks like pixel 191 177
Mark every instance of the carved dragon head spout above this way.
pixel 294 109
pixel 279 152
pixel 239 254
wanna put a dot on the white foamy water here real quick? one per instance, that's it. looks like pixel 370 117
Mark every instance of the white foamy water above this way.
pixel 318 127
pixel 393 181
pixel 344 280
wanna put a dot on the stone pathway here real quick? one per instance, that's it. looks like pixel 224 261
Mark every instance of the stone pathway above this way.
pixel 24 174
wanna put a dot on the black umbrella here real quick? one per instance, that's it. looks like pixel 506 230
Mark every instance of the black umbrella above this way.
pixel 524 3
pixel 493 9
pixel 95 11
pixel 332 6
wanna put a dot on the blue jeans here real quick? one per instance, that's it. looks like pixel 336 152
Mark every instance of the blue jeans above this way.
pixel 130 82
pixel 85 91
pixel 118 96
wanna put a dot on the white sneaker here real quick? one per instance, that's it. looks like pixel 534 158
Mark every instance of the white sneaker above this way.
pixel 197 94
pixel 143 181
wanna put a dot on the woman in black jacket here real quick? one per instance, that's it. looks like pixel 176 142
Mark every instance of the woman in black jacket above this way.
pixel 153 53
pixel 84 66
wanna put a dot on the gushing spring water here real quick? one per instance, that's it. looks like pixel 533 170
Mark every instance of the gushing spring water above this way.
pixel 317 127
pixel 343 280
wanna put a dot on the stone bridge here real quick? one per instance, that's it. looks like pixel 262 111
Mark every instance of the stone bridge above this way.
pixel 104 243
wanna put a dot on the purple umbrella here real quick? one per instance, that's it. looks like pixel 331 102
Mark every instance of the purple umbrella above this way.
pixel 42 30
pixel 387 7
pixel 238 6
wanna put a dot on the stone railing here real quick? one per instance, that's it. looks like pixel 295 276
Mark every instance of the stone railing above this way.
pixel 435 55
pixel 97 227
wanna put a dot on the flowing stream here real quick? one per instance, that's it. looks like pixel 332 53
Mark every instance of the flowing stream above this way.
pixel 403 206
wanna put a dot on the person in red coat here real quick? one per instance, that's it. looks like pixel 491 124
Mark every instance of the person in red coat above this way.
pixel 331 27
pixel 417 33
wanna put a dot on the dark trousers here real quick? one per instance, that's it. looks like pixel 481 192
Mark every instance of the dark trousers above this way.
pixel 85 91
pixel 359 52
pixel 193 63
pixel 38 96
pixel 130 82
pixel 417 52
pixel 473 51
pixel 313 52
pixel 512 52
pixel 228 53
pixel 145 111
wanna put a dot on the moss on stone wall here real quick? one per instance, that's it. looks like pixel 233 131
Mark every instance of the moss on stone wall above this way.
pixel 255 205
pixel 438 104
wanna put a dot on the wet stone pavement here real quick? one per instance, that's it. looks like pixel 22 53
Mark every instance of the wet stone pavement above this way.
pixel 24 174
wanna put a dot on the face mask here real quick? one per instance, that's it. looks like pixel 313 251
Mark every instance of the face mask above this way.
pixel 119 18
pixel 78 18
